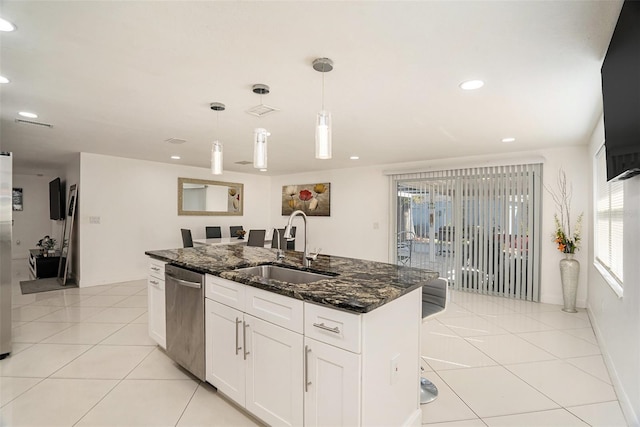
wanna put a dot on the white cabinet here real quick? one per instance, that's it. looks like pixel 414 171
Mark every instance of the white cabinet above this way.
pixel 274 373
pixel 332 389
pixel 294 363
pixel 224 349
pixel 256 363
pixel 156 302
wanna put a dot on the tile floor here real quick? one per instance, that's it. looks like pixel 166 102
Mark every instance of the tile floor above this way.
pixel 82 357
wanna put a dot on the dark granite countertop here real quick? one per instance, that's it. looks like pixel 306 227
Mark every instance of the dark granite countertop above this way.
pixel 358 286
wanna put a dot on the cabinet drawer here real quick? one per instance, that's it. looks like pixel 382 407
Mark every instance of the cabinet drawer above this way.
pixel 155 282
pixel 334 327
pixel 225 291
pixel 156 268
pixel 277 309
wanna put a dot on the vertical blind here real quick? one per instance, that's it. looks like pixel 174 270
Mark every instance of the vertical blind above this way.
pixel 609 220
pixel 478 227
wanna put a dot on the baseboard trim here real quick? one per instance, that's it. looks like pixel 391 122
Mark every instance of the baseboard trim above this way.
pixel 628 410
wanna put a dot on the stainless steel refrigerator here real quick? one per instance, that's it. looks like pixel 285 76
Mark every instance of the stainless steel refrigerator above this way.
pixel 6 193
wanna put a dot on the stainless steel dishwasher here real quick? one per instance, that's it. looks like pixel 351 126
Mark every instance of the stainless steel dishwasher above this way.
pixel 184 291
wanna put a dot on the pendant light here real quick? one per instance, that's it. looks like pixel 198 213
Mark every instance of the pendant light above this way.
pixel 260 148
pixel 323 121
pixel 216 146
pixel 260 134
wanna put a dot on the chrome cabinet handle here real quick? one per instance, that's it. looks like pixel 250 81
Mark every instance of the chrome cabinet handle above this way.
pixel 153 282
pixel 335 330
pixel 155 268
pixel 307 383
pixel 244 338
pixel 238 321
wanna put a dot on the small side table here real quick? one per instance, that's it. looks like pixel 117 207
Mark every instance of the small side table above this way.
pixel 41 266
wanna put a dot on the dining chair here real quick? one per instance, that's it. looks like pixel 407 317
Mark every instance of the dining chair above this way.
pixel 187 241
pixel 274 239
pixel 213 232
pixel 291 244
pixel 233 229
pixel 256 238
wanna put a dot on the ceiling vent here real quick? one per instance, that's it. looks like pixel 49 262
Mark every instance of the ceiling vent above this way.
pixel 262 109
pixel 243 162
pixel 175 141
pixel 29 122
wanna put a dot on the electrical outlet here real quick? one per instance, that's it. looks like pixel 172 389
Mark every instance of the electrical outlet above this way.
pixel 94 220
pixel 376 226
pixel 395 368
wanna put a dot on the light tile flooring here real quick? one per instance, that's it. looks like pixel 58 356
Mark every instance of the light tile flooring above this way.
pixel 83 357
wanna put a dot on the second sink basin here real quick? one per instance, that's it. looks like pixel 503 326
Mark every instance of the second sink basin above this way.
pixel 283 274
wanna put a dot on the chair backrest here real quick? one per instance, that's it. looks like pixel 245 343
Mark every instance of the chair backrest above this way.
pixel 233 229
pixel 274 239
pixel 213 232
pixel 256 238
pixel 435 295
pixel 187 242
pixel 289 245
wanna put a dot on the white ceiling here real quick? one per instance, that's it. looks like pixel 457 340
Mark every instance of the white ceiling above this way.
pixel 119 78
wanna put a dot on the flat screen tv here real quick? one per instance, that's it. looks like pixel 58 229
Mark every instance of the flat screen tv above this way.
pixel 56 199
pixel 621 95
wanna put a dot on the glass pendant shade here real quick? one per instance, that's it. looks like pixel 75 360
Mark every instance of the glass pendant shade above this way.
pixel 323 135
pixel 216 158
pixel 260 148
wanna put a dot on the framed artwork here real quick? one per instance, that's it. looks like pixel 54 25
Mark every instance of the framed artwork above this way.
pixel 312 199
pixel 16 199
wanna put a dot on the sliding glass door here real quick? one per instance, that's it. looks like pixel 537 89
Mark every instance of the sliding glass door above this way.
pixel 477 227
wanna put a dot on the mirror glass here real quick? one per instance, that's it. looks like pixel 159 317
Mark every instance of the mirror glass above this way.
pixel 204 197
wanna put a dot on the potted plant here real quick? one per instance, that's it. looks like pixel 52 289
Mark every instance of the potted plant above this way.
pixel 567 241
pixel 47 245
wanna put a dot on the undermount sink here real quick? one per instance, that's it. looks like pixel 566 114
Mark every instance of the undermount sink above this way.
pixel 283 274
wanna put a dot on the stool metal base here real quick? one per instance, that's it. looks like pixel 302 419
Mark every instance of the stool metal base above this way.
pixel 428 391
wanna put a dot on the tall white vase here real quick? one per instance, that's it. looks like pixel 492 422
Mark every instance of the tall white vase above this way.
pixel 569 272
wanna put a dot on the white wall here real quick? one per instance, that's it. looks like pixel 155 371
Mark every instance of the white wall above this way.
pixel 616 321
pixel 136 203
pixel 360 198
pixel 359 221
pixel 32 223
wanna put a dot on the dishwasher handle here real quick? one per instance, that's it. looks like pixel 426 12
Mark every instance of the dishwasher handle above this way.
pixel 196 285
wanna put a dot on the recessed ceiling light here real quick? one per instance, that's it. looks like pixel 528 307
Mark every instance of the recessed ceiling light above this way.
pixel 4 79
pixel 510 139
pixel 28 114
pixel 175 157
pixel 354 157
pixel 6 25
pixel 471 84
pixel 263 170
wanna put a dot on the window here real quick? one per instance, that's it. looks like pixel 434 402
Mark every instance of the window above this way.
pixel 609 226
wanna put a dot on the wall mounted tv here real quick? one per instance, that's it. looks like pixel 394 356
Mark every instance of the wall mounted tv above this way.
pixel 56 199
pixel 621 95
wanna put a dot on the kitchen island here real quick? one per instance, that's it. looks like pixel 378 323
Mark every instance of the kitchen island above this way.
pixel 341 350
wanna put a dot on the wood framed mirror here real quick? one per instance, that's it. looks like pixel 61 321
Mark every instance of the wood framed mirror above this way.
pixel 204 197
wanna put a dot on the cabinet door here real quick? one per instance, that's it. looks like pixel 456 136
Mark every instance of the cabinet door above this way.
pixel 156 313
pixel 332 396
pixel 274 373
pixel 224 350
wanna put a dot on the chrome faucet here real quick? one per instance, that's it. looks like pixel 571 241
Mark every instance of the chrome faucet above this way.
pixel 280 253
pixel 306 257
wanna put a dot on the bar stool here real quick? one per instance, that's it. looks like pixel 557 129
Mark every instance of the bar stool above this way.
pixel 435 294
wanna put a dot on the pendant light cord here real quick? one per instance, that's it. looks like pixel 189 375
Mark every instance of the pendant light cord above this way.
pixel 323 88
